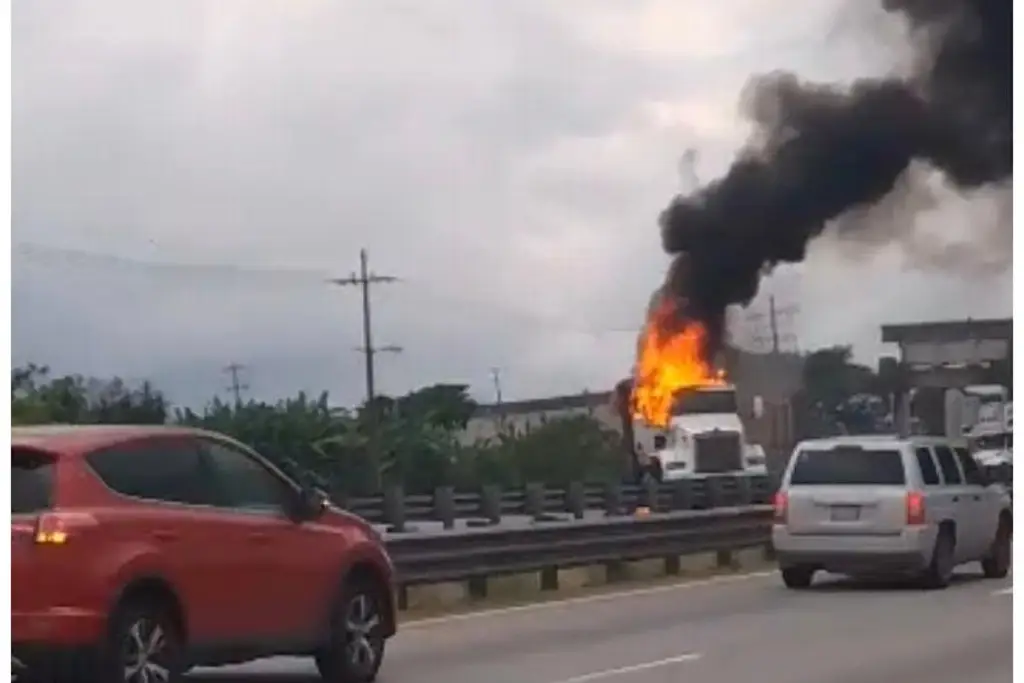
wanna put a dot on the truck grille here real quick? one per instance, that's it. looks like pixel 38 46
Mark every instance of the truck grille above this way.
pixel 718 452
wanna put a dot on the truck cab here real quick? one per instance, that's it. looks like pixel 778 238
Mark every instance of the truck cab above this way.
pixel 991 437
pixel 705 436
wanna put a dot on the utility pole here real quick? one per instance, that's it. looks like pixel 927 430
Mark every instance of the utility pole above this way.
pixel 237 387
pixel 496 376
pixel 775 337
pixel 773 320
pixel 688 170
pixel 369 351
pixel 499 409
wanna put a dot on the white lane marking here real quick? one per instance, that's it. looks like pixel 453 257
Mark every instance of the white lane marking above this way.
pixel 609 673
pixel 582 600
pixel 1004 591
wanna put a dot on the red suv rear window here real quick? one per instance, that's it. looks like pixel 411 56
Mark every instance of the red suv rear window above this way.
pixel 32 475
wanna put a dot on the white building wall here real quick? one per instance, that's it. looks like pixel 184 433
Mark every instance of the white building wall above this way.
pixel 488 424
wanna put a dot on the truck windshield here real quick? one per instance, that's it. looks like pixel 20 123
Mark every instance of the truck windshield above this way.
pixel 704 401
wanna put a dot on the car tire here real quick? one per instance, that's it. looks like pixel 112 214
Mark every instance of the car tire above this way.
pixel 940 568
pixel 797 578
pixel 144 645
pixel 355 649
pixel 996 565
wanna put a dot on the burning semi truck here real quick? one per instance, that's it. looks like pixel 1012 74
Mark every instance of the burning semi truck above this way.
pixel 679 414
pixel 704 436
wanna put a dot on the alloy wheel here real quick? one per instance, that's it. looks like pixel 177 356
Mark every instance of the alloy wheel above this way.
pixel 145 653
pixel 361 624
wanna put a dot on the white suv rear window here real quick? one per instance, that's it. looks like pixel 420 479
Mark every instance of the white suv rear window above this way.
pixel 848 466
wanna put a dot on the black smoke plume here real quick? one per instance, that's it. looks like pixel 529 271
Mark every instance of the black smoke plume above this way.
pixel 821 150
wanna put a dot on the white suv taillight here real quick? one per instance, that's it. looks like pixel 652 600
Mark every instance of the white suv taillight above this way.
pixel 915 509
pixel 781 505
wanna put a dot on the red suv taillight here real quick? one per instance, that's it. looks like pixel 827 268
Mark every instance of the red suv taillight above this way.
pixel 55 528
pixel 915 509
pixel 50 530
pixel 781 504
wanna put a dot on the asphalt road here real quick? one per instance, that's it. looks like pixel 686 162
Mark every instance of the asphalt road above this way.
pixel 720 631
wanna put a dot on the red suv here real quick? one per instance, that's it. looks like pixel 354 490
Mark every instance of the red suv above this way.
pixel 139 552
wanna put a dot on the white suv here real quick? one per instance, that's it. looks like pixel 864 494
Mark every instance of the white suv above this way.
pixel 876 506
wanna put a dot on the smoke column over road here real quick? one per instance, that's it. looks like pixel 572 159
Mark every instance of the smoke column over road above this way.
pixel 820 151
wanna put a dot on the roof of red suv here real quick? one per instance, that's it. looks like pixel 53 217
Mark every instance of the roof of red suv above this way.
pixel 80 439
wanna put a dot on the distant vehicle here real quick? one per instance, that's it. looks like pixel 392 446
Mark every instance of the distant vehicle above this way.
pixel 988 393
pixel 991 438
pixel 883 505
pixel 138 552
pixel 975 407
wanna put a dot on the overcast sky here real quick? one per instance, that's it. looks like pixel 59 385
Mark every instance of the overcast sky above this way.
pixel 187 173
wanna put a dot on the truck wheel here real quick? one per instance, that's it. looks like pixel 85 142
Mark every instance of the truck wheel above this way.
pixel 653 473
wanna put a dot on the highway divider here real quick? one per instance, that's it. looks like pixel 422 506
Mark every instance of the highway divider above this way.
pixel 490 506
pixel 718 515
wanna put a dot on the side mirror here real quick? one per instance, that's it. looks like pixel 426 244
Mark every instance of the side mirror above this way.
pixel 310 503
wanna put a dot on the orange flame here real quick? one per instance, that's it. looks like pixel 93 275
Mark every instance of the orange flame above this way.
pixel 669 359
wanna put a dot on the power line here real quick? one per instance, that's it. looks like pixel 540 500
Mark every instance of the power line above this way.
pixel 237 387
pixel 218 274
pixel 304 279
pixel 369 351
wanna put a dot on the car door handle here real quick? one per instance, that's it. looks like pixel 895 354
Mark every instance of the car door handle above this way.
pixel 259 537
pixel 956 499
pixel 976 497
pixel 165 535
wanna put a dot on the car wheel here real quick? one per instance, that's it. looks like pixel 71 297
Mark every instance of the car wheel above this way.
pixel 940 569
pixel 997 564
pixel 144 645
pixel 797 577
pixel 355 650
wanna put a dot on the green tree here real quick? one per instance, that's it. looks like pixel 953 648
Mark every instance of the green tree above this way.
pixel 447 406
pixel 838 394
pixel 38 398
pixel 285 432
pixel 413 440
pixel 555 452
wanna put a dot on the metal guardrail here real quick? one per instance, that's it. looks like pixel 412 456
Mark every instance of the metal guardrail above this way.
pixel 480 553
pixel 471 539
pixel 488 506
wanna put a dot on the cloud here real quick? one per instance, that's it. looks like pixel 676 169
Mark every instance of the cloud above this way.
pixel 507 159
